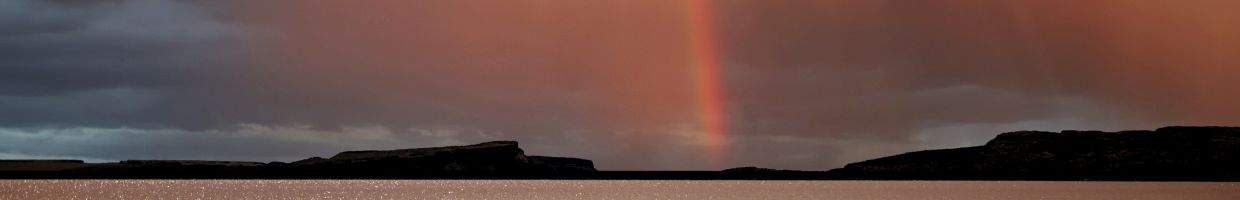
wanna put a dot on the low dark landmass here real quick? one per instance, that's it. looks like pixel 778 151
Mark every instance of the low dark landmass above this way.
pixel 1171 153
pixel 491 160
pixel 40 165
pixel 1166 154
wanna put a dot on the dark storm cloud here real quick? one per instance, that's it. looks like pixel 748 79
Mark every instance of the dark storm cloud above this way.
pixel 104 62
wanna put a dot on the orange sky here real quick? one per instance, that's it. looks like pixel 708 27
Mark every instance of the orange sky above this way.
pixel 634 63
pixel 877 74
pixel 632 84
pixel 616 67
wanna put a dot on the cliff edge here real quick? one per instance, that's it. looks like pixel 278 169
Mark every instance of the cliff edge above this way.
pixel 1171 153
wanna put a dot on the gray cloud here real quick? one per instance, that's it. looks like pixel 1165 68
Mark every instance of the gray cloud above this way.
pixel 107 63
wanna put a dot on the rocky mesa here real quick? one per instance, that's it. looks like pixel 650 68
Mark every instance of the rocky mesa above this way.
pixel 491 159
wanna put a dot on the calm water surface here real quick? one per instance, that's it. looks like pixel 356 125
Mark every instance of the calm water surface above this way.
pixel 525 189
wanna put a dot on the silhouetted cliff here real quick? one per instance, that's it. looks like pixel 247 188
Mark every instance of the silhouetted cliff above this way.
pixel 501 159
pixel 1171 153
pixel 491 159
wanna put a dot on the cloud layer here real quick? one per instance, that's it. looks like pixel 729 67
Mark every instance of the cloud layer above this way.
pixel 811 84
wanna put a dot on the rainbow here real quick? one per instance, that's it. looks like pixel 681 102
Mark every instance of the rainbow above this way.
pixel 703 50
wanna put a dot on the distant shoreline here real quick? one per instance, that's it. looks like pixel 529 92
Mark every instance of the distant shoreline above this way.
pixel 1171 154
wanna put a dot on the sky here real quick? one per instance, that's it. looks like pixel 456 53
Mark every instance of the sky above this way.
pixel 633 85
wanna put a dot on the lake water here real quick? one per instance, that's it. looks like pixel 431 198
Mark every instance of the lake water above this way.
pixel 558 189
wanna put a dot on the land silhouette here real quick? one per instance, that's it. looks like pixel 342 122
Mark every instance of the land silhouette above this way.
pixel 1167 154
